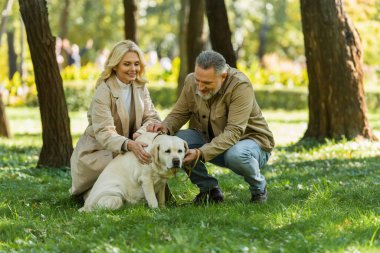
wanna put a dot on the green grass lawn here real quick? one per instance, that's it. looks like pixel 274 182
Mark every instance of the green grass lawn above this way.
pixel 322 198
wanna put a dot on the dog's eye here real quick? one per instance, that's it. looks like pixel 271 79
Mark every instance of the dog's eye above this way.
pixel 180 150
pixel 167 151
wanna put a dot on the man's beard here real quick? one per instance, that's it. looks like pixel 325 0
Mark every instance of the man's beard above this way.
pixel 209 95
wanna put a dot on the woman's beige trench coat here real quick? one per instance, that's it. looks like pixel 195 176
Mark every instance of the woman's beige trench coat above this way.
pixel 107 130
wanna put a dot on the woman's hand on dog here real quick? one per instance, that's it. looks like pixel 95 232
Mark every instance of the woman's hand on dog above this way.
pixel 135 135
pixel 138 149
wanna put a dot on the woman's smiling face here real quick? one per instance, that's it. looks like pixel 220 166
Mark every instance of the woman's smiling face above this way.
pixel 128 68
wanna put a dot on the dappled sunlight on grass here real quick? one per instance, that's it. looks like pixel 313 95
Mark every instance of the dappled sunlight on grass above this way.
pixel 329 150
pixel 287 128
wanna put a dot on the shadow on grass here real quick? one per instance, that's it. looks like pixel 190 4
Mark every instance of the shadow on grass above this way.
pixel 19 150
pixel 305 144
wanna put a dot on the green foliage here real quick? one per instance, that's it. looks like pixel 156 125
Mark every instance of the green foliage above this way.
pixel 100 20
pixel 322 198
pixel 78 97
pixel 3 64
pixel 157 26
pixel 163 97
pixel 280 74
pixel 86 72
pixel 366 19
pixel 286 99
pixel 296 99
pixel 283 34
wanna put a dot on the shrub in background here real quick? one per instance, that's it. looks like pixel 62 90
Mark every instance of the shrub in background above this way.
pixel 287 89
pixel 78 97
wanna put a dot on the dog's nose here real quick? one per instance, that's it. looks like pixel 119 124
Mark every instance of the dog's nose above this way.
pixel 176 162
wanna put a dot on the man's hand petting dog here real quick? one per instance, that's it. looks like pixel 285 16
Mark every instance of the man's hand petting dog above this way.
pixel 157 127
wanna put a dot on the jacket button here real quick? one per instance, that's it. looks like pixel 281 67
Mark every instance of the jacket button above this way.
pixel 204 132
pixel 204 116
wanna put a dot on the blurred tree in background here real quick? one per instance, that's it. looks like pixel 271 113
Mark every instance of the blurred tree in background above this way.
pixel 130 27
pixel 191 39
pixel 220 32
pixel 57 143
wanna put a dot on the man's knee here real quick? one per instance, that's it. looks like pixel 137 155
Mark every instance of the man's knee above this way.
pixel 192 137
pixel 236 156
pixel 183 134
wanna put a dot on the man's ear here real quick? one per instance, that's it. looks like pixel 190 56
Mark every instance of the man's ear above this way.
pixel 224 75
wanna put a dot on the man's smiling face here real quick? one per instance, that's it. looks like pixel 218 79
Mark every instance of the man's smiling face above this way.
pixel 208 82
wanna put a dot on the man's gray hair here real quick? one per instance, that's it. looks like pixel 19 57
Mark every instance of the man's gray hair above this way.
pixel 211 59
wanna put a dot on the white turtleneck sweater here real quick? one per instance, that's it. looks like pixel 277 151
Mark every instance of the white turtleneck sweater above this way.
pixel 126 94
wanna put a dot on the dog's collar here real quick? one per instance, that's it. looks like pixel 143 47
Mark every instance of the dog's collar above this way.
pixel 158 134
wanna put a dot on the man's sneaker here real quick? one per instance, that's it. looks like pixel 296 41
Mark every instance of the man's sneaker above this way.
pixel 260 197
pixel 213 196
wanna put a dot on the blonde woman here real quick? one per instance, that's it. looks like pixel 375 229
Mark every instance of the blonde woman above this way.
pixel 119 112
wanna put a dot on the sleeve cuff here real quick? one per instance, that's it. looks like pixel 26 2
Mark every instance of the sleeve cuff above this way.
pixel 124 147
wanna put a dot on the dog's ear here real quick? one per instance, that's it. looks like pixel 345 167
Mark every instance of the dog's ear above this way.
pixel 154 152
pixel 186 146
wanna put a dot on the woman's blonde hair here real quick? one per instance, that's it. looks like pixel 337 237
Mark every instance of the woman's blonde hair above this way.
pixel 116 55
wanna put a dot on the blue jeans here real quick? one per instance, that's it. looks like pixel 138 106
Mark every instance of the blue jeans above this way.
pixel 245 158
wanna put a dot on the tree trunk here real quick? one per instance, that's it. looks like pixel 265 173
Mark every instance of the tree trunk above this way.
pixel 192 42
pixel 12 56
pixel 4 125
pixel 263 38
pixel 57 143
pixel 130 10
pixel 183 21
pixel 220 33
pixel 4 17
pixel 337 106
pixel 22 66
pixel 64 20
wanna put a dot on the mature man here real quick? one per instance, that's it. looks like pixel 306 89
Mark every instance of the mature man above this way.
pixel 226 127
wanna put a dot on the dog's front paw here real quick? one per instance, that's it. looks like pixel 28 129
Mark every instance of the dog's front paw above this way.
pixel 83 209
pixel 153 205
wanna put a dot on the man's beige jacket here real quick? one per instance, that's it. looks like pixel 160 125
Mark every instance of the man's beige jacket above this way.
pixel 233 113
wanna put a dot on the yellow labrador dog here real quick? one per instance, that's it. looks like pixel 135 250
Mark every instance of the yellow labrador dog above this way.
pixel 125 179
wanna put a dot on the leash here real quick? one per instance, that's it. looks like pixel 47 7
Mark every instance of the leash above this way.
pixel 190 168
pixel 158 134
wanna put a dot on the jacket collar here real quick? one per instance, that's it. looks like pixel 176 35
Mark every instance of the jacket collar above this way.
pixel 138 102
pixel 227 81
pixel 115 88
